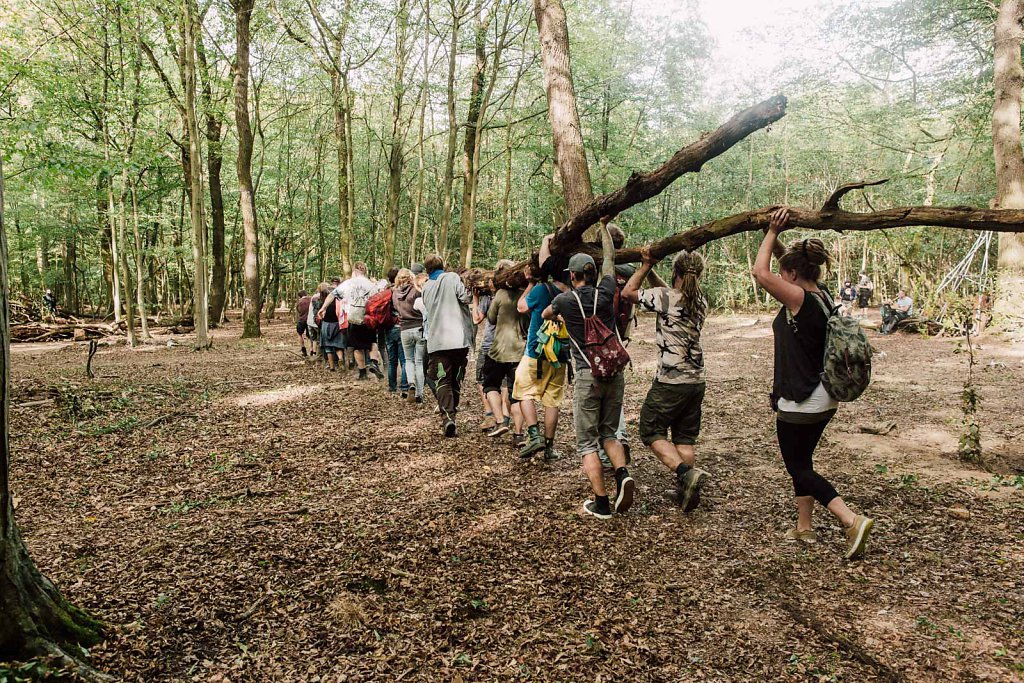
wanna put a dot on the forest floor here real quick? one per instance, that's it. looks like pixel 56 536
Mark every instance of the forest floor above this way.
pixel 241 515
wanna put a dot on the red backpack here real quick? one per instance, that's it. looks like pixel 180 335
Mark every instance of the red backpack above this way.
pixel 380 314
pixel 602 348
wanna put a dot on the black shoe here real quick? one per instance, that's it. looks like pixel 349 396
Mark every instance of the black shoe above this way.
pixel 373 368
pixel 419 399
pixel 362 374
pixel 590 507
pixel 405 394
pixel 551 455
pixel 689 487
pixel 450 429
pixel 304 354
pixel 624 495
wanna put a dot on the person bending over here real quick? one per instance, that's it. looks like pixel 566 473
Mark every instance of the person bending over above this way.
pixel 597 403
pixel 803 406
pixel 674 400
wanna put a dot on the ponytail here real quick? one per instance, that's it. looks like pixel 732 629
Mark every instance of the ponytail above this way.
pixel 687 269
pixel 590 274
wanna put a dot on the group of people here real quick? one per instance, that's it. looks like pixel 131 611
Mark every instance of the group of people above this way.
pixel 564 323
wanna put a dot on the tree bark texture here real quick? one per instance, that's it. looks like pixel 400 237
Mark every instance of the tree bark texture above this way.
pixel 247 195
pixel 36 619
pixel 1008 78
pixel 458 9
pixel 642 186
pixel 467 218
pixel 563 115
pixel 200 291
pixel 396 153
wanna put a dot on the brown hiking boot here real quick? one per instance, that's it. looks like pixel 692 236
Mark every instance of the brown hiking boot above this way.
pixel 488 423
pixel 411 398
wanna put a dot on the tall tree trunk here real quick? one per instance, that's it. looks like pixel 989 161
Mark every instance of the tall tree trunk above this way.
pixel 200 292
pixel 467 218
pixel 1008 78
pixel 214 161
pixel 458 9
pixel 424 99
pixel 563 115
pixel 71 301
pixel 122 260
pixel 396 155
pixel 140 291
pixel 247 196
pixel 37 621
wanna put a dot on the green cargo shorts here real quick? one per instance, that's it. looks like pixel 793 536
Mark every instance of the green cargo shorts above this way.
pixel 596 408
pixel 675 407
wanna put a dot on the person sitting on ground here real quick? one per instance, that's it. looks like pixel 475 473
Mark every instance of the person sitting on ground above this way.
pixel 301 313
pixel 482 298
pixel 901 308
pixel 506 350
pixel 597 403
pixel 537 378
pixel 847 296
pixel 675 398
pixel 804 408
pixel 446 300
pixel 332 337
pixel 355 292
pixel 393 344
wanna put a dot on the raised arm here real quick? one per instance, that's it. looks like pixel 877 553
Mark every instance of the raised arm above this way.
pixel 788 294
pixel 545 249
pixel 631 292
pixel 607 249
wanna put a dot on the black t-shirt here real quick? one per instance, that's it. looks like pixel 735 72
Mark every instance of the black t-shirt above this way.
pixel 799 349
pixel 566 306
pixel 848 293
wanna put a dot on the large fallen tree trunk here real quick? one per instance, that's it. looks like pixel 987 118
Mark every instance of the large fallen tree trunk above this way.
pixel 830 217
pixel 642 186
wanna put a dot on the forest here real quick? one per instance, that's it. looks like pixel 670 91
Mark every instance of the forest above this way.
pixel 195 500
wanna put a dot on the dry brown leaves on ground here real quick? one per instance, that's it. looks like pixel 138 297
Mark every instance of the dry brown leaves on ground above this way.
pixel 240 515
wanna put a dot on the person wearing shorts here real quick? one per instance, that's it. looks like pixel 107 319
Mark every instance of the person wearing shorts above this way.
pixel 597 400
pixel 671 414
pixel 536 379
pixel 508 342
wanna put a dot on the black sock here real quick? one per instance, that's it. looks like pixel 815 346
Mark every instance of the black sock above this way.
pixel 621 474
pixel 602 504
pixel 549 443
pixel 681 470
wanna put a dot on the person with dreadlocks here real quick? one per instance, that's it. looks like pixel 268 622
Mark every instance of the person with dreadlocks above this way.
pixel 674 400
pixel 803 407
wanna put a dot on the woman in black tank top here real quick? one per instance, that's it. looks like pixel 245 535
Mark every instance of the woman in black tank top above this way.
pixel 803 406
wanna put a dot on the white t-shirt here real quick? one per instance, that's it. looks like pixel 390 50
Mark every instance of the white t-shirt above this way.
pixel 818 402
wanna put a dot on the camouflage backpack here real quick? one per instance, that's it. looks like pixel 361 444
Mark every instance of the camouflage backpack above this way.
pixel 846 371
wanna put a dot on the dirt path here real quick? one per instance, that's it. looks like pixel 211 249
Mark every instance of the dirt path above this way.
pixel 238 515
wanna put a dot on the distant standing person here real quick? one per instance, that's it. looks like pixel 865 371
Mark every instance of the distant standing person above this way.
pixel 410 324
pixel 332 337
pixel 446 301
pixel 50 302
pixel 865 288
pixel 301 313
pixel 675 398
pixel 804 408
pixel 847 296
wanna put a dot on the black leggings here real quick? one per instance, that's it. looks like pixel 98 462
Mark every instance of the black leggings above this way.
pixel 797 443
